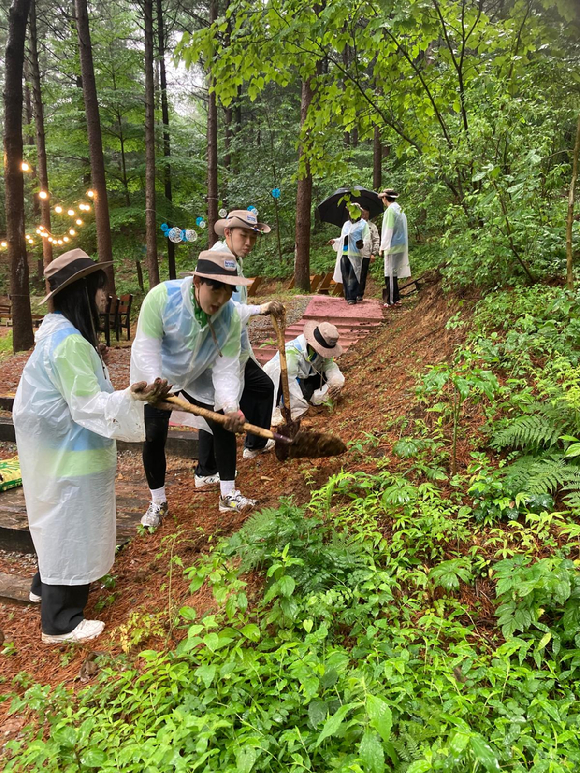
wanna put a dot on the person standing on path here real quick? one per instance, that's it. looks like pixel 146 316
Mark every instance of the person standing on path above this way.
pixel 66 419
pixel 189 332
pixel 240 231
pixel 350 247
pixel 394 247
pixel 370 250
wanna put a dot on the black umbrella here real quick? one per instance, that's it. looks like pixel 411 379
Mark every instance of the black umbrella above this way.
pixel 333 210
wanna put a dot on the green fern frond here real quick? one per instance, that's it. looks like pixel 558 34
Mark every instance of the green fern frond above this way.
pixel 528 432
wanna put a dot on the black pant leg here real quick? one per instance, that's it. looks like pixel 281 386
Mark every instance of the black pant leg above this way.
pixel 154 461
pixel 311 384
pixel 363 276
pixel 224 445
pixel 36 585
pixel 350 282
pixel 387 291
pixel 206 462
pixel 62 607
pixel 256 402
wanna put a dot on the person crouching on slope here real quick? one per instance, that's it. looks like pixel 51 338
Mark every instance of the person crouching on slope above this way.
pixel 313 375
pixel 189 332
pixel 66 418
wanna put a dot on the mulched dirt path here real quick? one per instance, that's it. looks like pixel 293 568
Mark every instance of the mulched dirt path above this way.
pixel 380 374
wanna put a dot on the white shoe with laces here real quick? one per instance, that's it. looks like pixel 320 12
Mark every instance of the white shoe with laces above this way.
pixel 34 598
pixel 249 454
pixel 154 515
pixel 235 502
pixel 85 630
pixel 205 481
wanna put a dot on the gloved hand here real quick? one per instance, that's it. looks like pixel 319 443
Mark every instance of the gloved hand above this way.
pixel 273 307
pixel 235 422
pixel 151 393
pixel 334 392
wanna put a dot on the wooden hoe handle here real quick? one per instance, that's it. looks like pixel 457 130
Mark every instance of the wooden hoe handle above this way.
pixel 172 403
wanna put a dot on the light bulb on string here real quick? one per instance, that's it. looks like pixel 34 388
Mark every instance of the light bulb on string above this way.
pixel 90 194
pixel 42 195
pixel 60 241
pixel 79 221
pixel 50 239
pixel 72 232
pixel 3 244
pixel 25 167
pixel 71 212
pixel 65 239
pixel 58 209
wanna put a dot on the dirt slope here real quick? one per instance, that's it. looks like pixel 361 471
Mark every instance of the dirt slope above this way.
pixel 380 374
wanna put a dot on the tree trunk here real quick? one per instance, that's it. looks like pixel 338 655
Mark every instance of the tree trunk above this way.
pixel 166 135
pixel 41 169
pixel 150 224
pixel 212 159
pixel 377 160
pixel 570 218
pixel 23 337
pixel 99 183
pixel 303 204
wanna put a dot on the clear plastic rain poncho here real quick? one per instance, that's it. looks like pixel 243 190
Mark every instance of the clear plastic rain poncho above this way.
pixel 352 233
pixel 245 310
pixel 394 243
pixel 301 366
pixel 66 416
pixel 176 340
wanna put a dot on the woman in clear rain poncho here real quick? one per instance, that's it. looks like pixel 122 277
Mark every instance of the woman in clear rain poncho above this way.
pixel 351 246
pixel 394 247
pixel 313 375
pixel 66 417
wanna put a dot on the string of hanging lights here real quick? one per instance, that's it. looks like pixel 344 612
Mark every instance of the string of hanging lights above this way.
pixel 66 232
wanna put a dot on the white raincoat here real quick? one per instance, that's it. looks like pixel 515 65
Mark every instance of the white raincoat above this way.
pixel 174 341
pixel 394 243
pixel 66 416
pixel 300 367
pixel 245 310
pixel 355 232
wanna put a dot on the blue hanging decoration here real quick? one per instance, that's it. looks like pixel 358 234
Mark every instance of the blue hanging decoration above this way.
pixel 164 228
pixel 178 235
pixel 199 221
pixel 253 209
pixel 276 193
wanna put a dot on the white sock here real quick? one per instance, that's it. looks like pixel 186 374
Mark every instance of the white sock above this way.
pixel 158 495
pixel 227 487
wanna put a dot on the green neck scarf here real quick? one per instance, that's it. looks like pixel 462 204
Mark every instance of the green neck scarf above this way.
pixel 198 312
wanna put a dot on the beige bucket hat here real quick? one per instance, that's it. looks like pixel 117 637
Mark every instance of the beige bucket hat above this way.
pixel 323 338
pixel 221 267
pixel 241 218
pixel 68 268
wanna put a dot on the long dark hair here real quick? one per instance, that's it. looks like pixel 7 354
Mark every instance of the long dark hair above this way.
pixel 77 303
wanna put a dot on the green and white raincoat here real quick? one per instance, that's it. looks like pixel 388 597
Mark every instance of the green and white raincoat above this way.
pixel 198 354
pixel 352 233
pixel 66 417
pixel 394 244
pixel 301 365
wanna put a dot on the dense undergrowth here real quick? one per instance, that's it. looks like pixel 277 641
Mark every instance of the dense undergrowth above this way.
pixel 420 617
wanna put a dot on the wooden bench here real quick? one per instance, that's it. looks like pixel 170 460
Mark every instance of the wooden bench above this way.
pixel 325 284
pixel 6 313
pixel 315 280
pixel 253 288
pixel 123 320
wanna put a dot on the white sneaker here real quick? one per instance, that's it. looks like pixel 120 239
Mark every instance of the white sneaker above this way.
pixel 205 481
pixel 235 502
pixel 34 598
pixel 154 515
pixel 85 630
pixel 249 454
